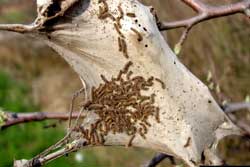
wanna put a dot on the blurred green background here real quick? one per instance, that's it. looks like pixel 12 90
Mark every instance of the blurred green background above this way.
pixel 32 78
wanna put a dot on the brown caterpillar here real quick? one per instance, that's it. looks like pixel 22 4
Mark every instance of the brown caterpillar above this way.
pixel 100 95
pixel 95 106
pixel 130 141
pixel 118 30
pixel 157 116
pixel 121 11
pixel 161 82
pixel 106 15
pixel 104 78
pixel 152 97
pixel 139 36
pixel 100 89
pixel 117 21
pixel 188 142
pixel 147 123
pixel 144 128
pixel 131 15
pixel 124 48
pixel 129 74
pixel 111 17
pixel 93 92
pixel 142 134
pixel 119 44
pixel 127 66
pixel 150 80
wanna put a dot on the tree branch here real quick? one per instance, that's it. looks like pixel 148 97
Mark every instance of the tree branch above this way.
pixel 205 12
pixel 196 5
pixel 232 107
pixel 12 119
pixel 17 27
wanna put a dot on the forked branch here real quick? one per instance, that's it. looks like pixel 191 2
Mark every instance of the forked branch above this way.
pixel 205 12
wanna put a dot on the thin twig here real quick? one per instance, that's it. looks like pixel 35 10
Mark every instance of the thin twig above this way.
pixel 54 146
pixel 75 95
pixel 240 123
pixel 232 107
pixel 42 160
pixel 196 5
pixel 19 118
pixel 179 45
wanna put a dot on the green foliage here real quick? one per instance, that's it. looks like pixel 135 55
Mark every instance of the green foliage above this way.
pixel 14 16
pixel 27 140
pixel 14 95
pixel 3 1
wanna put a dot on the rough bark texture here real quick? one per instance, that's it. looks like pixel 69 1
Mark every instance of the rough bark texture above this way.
pixel 98 39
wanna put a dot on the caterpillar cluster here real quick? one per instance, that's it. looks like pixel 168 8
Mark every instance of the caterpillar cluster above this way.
pixel 121 107
pixel 121 39
pixel 104 14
